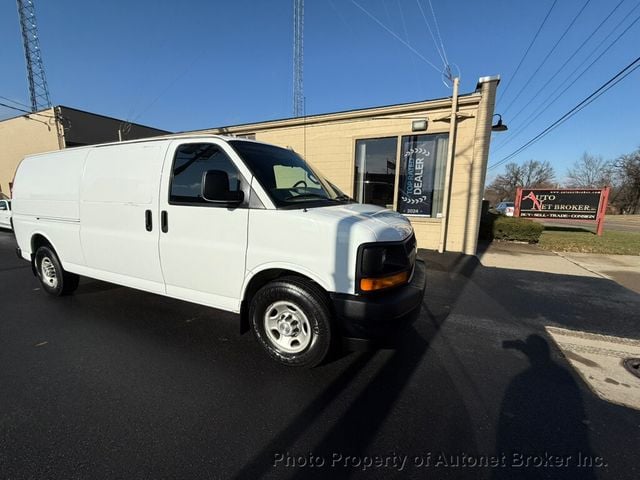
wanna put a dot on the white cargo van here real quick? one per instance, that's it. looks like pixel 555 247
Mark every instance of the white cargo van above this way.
pixel 233 224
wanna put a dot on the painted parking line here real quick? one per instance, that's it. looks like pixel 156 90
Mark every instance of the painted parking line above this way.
pixel 599 361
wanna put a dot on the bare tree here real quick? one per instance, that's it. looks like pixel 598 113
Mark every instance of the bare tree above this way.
pixel 537 174
pixel 627 192
pixel 590 171
pixel 531 174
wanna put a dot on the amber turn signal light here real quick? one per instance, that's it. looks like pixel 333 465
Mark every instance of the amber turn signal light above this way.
pixel 371 284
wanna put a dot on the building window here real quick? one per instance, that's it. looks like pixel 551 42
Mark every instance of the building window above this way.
pixel 375 171
pixel 422 168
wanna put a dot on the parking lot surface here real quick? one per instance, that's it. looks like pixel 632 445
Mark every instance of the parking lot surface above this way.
pixel 116 383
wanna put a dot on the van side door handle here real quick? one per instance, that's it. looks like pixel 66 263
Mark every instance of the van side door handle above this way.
pixel 148 220
pixel 164 221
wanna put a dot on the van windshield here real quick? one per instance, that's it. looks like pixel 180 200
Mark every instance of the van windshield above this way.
pixel 286 177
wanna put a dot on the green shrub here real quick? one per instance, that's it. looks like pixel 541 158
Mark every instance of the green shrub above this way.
pixel 516 229
pixel 487 219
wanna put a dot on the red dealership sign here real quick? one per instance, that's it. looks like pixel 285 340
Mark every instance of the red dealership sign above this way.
pixel 563 204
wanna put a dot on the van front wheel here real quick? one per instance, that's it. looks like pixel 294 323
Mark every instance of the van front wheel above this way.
pixel 53 278
pixel 291 319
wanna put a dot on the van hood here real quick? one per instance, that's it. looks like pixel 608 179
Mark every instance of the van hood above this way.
pixel 385 225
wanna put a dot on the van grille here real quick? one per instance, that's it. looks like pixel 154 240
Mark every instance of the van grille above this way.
pixel 410 247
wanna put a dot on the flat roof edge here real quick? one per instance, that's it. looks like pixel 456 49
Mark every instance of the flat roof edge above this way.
pixel 464 99
pixel 112 118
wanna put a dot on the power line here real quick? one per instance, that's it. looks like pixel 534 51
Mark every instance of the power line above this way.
pixel 433 37
pixel 545 104
pixel 188 66
pixel 404 24
pixel 28 113
pixel 341 17
pixel 566 62
pixel 435 22
pixel 391 32
pixel 564 34
pixel 533 40
pixel 143 67
pixel 182 73
pixel 14 101
pixel 24 111
pixel 408 39
pixel 613 81
pixel 14 108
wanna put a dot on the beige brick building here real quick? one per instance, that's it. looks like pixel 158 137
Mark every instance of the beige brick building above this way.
pixel 373 155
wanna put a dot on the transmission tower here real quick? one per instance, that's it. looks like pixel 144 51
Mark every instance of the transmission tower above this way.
pixel 35 69
pixel 298 57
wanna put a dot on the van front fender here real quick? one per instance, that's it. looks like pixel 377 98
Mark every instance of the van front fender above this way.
pixel 285 268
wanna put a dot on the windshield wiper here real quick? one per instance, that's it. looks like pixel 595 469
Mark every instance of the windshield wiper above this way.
pixel 307 195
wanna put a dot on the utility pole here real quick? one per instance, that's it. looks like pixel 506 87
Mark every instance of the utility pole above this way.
pixel 38 90
pixel 298 57
pixel 448 174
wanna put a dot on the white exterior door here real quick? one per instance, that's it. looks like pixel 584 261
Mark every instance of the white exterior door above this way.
pixel 202 244
pixel 119 227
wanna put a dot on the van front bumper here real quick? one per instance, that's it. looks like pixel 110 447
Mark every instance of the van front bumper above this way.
pixel 380 315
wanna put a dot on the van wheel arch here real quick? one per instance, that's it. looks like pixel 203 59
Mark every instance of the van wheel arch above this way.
pixel 38 240
pixel 53 278
pixel 258 281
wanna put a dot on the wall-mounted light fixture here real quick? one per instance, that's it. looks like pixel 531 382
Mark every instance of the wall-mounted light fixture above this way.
pixel 499 127
pixel 419 125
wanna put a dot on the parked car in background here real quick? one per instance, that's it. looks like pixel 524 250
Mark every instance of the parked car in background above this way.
pixel 506 208
pixel 5 214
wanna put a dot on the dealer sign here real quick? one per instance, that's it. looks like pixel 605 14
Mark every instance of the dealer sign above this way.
pixel 575 205
pixel 567 204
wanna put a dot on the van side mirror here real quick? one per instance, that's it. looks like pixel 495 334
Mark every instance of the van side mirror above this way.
pixel 215 188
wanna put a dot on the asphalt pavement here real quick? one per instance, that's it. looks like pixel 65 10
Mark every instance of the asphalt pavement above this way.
pixel 116 383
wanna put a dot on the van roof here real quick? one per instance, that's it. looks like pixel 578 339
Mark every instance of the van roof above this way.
pixel 162 138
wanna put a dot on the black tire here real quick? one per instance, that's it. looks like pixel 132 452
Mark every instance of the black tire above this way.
pixel 53 278
pixel 311 306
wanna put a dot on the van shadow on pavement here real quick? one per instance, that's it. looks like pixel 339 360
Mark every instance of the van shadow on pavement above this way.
pixel 354 432
pixel 542 429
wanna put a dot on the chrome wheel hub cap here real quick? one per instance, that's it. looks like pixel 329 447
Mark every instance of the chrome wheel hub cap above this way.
pixel 287 327
pixel 48 271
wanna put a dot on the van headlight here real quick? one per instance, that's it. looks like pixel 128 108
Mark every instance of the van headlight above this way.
pixel 382 266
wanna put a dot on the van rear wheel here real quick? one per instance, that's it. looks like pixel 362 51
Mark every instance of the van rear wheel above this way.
pixel 291 319
pixel 53 278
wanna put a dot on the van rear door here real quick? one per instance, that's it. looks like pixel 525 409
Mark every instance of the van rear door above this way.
pixel 119 227
pixel 203 244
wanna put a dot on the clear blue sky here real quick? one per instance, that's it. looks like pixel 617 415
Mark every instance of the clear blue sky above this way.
pixel 196 64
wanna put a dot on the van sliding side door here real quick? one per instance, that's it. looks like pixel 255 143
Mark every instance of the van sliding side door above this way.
pixel 119 227
pixel 202 244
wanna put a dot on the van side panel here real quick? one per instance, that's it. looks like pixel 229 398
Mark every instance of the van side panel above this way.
pixel 120 183
pixel 46 201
